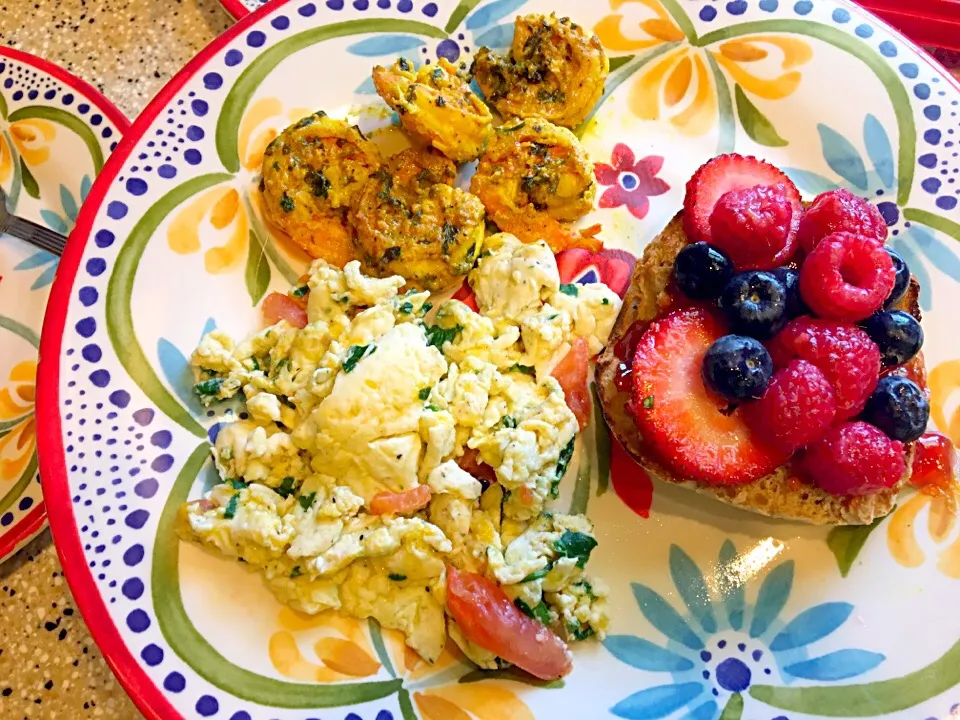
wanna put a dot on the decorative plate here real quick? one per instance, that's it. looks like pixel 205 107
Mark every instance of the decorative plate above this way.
pixel 715 613
pixel 55 133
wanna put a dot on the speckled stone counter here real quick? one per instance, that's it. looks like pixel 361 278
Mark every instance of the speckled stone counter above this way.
pixel 128 49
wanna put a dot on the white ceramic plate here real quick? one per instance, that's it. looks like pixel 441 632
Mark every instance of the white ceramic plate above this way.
pixel 848 623
pixel 55 134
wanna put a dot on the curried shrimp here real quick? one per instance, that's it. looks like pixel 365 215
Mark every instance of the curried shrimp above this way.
pixel 411 221
pixel 438 106
pixel 533 178
pixel 554 71
pixel 312 175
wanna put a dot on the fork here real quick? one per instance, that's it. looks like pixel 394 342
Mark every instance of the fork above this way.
pixel 37 235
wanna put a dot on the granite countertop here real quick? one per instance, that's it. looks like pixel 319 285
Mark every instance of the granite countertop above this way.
pixel 127 49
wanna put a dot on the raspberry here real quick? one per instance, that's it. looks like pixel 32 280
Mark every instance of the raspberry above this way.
pixel 846 277
pixel 797 408
pixel 853 459
pixel 845 354
pixel 840 211
pixel 756 227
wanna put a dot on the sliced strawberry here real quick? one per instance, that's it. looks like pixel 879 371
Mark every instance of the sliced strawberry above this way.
pixel 694 433
pixel 718 177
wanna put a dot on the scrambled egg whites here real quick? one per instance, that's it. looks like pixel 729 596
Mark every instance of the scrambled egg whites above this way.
pixel 370 397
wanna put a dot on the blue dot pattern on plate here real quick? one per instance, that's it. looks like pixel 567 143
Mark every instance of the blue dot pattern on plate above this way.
pixel 31 85
pixel 120 493
pixel 177 137
pixel 107 482
pixel 939 167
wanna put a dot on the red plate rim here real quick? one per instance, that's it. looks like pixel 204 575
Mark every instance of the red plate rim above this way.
pixel 32 524
pixel 236 9
pixel 142 690
pixel 138 685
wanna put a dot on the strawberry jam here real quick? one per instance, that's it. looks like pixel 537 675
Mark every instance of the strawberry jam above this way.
pixel 935 465
pixel 912 370
pixel 624 350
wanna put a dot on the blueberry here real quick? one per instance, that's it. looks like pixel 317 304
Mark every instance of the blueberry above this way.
pixel 737 368
pixel 790 278
pixel 903 278
pixel 755 304
pixel 701 271
pixel 897 334
pixel 899 408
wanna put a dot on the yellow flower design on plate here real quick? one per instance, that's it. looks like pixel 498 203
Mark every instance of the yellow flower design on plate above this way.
pixel 944 383
pixel 902 532
pixel 18 432
pixel 343 650
pixel 31 139
pixel 341 646
pixel 226 211
pixel 219 208
pixel 474 701
pixel 437 698
pixel 679 81
pixel 903 529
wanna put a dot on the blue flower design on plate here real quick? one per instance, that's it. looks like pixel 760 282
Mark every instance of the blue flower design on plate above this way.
pixel 913 242
pixel 62 224
pixel 484 26
pixel 718 644
pixel 40 259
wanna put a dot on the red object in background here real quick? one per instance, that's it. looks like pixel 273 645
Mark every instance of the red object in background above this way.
pixel 927 22
pixel 950 59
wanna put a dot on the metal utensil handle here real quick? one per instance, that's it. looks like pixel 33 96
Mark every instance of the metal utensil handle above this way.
pixel 43 238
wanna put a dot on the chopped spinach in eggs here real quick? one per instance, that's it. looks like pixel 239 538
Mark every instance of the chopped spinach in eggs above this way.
pixel 372 397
